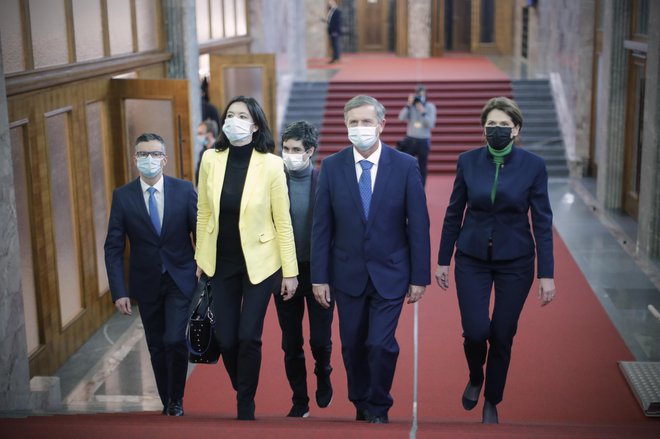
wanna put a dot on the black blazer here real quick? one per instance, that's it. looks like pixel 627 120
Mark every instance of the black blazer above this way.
pixel 522 188
pixel 149 252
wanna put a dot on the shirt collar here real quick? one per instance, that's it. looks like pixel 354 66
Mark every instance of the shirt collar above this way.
pixel 158 185
pixel 373 158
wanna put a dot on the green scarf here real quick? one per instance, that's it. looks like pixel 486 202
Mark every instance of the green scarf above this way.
pixel 498 159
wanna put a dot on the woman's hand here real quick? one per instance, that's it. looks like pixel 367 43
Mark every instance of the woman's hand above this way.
pixel 442 276
pixel 198 273
pixel 546 290
pixel 288 289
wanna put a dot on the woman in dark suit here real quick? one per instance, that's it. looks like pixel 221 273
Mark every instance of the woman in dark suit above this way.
pixel 495 189
pixel 244 238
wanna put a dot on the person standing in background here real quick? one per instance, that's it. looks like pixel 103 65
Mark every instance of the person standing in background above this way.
pixel 299 142
pixel 158 215
pixel 207 132
pixel 334 30
pixel 420 115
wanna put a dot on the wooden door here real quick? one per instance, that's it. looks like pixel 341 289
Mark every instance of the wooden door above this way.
pixel 152 105
pixel 372 19
pixel 458 18
pixel 248 75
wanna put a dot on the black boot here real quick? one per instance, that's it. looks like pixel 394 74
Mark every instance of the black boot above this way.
pixel 322 372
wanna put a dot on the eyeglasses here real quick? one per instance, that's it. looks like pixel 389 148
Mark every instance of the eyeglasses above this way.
pixel 153 154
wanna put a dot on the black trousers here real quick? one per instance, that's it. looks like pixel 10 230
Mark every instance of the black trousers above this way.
pixel 240 309
pixel 367 327
pixel 418 148
pixel 165 318
pixel 489 339
pixel 290 314
pixel 335 42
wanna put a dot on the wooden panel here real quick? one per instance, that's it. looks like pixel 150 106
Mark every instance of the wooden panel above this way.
pixel 437 28
pixel 220 64
pixel 58 344
pixel 372 25
pixel 13 40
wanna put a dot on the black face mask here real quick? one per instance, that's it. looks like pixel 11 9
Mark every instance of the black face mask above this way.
pixel 498 137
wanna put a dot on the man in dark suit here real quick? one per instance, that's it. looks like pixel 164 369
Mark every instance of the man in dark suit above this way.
pixel 158 215
pixel 370 250
pixel 334 29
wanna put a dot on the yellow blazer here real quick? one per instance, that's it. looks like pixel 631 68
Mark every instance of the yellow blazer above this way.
pixel 264 223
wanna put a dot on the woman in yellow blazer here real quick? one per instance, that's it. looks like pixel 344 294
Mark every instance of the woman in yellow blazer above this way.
pixel 244 238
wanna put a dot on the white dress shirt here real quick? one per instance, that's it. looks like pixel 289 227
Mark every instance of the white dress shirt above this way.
pixel 373 158
pixel 159 195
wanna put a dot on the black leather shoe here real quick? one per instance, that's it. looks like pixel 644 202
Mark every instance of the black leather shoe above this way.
pixel 323 390
pixel 382 419
pixel 246 411
pixel 362 415
pixel 471 395
pixel 175 408
pixel 490 413
pixel 298 411
pixel 164 412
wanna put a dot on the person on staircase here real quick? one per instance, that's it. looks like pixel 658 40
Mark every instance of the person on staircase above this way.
pixel 420 116
pixel 495 190
pixel 299 142
pixel 245 240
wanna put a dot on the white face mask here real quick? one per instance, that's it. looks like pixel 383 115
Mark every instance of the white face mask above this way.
pixel 201 139
pixel 362 137
pixel 237 130
pixel 149 167
pixel 295 162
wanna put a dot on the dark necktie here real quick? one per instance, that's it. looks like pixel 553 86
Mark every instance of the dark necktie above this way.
pixel 365 185
pixel 153 209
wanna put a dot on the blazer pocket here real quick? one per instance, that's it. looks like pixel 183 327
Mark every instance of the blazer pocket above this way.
pixel 210 226
pixel 399 255
pixel 265 237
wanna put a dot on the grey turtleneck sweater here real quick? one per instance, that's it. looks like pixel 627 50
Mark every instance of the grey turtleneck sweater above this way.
pixel 300 187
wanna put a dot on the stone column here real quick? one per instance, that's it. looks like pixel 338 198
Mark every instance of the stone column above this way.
pixel 611 126
pixel 181 32
pixel 648 239
pixel 14 366
pixel 419 28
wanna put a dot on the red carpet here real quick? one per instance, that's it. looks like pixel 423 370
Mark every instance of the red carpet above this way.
pixel 388 67
pixel 564 380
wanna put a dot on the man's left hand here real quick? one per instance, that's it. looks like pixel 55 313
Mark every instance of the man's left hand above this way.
pixel 415 293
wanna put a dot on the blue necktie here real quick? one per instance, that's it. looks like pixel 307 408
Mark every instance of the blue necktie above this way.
pixel 365 185
pixel 153 209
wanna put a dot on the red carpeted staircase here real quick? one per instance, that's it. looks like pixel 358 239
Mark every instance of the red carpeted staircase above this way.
pixel 458 128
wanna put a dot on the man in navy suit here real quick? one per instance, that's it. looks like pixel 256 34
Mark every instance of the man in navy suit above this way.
pixel 370 250
pixel 158 215
pixel 334 29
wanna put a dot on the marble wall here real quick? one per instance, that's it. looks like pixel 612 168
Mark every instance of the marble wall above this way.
pixel 563 44
pixel 316 35
pixel 419 28
pixel 279 28
pixel 14 367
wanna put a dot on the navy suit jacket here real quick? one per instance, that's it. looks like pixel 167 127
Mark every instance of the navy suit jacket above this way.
pixel 334 24
pixel 392 247
pixel 149 252
pixel 522 187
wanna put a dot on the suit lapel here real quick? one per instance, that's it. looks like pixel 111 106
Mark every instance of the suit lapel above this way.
pixel 168 199
pixel 254 174
pixel 351 181
pixel 382 179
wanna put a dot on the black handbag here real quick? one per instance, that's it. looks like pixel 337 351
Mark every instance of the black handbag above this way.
pixel 200 337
